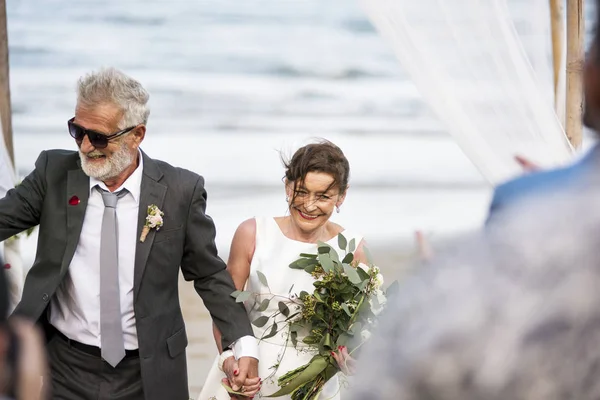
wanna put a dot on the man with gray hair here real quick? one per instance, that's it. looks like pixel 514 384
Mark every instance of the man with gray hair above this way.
pixel 115 228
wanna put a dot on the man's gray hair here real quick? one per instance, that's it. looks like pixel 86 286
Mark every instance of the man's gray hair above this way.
pixel 110 85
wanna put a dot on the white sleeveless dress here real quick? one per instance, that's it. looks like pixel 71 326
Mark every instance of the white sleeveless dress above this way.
pixel 272 256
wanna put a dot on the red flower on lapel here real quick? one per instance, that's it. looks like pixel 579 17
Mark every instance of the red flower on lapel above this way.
pixel 7 266
pixel 74 201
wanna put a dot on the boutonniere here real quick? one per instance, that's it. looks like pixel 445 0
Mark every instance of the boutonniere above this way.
pixel 154 220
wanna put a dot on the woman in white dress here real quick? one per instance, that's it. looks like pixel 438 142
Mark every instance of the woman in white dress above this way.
pixel 316 181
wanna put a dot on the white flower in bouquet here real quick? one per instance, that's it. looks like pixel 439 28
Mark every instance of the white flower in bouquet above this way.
pixel 378 281
pixel 374 272
pixel 377 301
pixel 365 335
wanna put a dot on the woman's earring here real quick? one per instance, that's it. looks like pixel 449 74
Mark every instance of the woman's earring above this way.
pixel 337 209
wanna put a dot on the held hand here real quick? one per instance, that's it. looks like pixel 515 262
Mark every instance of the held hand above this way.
pixel 424 247
pixel 231 369
pixel 245 376
pixel 527 165
pixel 344 360
pixel 32 360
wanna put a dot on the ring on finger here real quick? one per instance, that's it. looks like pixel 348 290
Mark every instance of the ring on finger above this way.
pixel 243 389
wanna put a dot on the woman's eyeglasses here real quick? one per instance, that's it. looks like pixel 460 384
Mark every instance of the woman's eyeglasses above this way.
pixel 97 139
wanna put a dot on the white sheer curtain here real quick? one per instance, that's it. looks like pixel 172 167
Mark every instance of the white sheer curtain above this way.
pixel 473 61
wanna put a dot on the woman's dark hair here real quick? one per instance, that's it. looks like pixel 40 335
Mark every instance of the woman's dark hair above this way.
pixel 322 156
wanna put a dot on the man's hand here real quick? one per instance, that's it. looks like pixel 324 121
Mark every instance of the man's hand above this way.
pixel 242 376
pixel 424 247
pixel 32 364
pixel 527 165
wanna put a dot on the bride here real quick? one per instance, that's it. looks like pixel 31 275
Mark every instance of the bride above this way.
pixel 316 182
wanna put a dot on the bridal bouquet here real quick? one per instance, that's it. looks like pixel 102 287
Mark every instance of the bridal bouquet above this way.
pixel 342 310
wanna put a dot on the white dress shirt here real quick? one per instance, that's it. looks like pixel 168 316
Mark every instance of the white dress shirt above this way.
pixel 75 310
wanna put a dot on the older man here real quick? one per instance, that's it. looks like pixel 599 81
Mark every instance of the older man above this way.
pixel 105 279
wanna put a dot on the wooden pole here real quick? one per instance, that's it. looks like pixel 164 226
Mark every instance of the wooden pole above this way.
pixel 575 54
pixel 5 107
pixel 558 30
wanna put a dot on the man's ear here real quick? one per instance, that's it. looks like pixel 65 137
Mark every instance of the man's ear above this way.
pixel 139 133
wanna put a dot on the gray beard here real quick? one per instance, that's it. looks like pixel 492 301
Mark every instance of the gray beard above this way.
pixel 111 167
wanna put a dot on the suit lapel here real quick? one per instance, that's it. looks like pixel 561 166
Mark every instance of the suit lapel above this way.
pixel 152 192
pixel 76 200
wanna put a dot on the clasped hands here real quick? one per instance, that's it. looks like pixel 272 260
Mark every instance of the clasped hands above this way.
pixel 242 376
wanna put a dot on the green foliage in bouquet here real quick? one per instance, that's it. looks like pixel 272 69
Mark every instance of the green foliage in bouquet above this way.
pixel 341 311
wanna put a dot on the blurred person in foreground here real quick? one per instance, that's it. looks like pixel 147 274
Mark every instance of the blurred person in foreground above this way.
pixel 22 354
pixel 512 312
pixel 572 178
pixel 498 316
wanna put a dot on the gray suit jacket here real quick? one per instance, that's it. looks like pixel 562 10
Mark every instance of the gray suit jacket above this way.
pixel 186 240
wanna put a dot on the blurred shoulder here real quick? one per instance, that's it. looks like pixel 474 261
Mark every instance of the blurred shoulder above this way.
pixel 542 183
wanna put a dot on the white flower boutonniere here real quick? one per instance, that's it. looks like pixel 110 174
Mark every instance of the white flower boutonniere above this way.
pixel 154 220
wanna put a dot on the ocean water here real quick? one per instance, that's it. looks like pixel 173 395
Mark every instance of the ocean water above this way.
pixel 236 84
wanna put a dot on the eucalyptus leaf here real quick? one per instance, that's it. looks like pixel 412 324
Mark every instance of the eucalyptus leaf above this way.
pixel 292 316
pixel 352 274
pixel 352 245
pixel 334 256
pixel 283 308
pixel 363 285
pixel 303 294
pixel 294 338
pixel 306 255
pixel 272 332
pixel 343 340
pixel 264 305
pixel 310 339
pixel 260 321
pixel 310 268
pixel 368 255
pixel 262 278
pixel 323 247
pixel 326 263
pixel 230 390
pixel 363 274
pixel 348 258
pixel 346 309
pixel 243 296
pixel 342 242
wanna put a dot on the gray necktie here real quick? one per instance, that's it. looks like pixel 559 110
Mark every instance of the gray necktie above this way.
pixel 111 330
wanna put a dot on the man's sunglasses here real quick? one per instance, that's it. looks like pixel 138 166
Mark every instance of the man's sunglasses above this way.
pixel 97 139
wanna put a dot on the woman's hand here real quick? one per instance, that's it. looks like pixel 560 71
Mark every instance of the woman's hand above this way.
pixel 344 360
